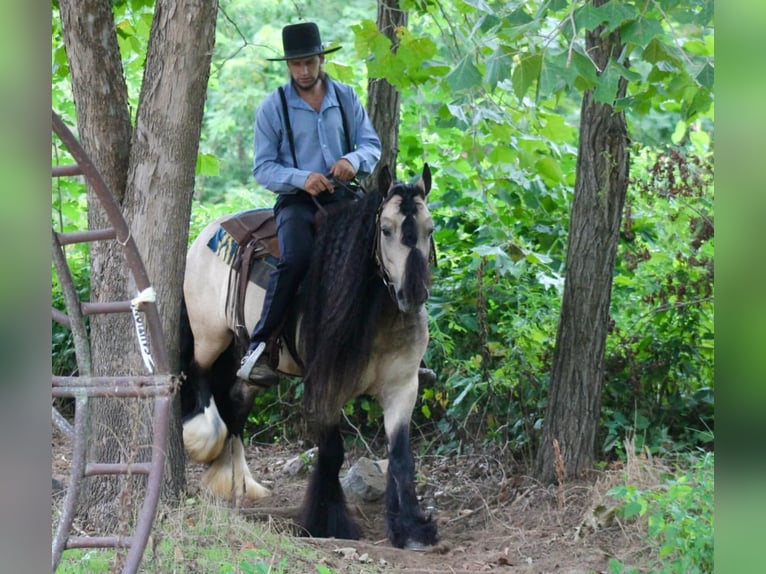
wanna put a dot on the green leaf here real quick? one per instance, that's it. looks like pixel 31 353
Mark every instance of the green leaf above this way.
pixel 633 508
pixel 207 164
pixel 465 76
pixel 706 76
pixel 587 17
pixel 640 32
pixel 699 104
pixel 614 14
pixel 606 90
pixel 463 393
pixel 526 72
pixel 502 154
pixel 550 170
pixel 481 6
pixel 557 130
pixel 498 67
pixel 656 51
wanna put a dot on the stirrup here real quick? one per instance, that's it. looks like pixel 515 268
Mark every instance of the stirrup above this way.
pixel 250 371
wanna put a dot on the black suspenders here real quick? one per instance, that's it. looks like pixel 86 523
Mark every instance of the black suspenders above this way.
pixel 289 128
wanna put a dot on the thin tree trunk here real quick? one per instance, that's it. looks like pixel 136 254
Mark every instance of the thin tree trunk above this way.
pixel 383 99
pixel 577 376
pixel 155 187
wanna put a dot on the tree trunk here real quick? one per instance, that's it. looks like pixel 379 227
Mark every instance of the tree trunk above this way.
pixel 577 376
pixel 383 99
pixel 155 186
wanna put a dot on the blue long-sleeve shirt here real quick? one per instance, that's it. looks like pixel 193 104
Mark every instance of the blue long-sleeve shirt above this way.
pixel 318 137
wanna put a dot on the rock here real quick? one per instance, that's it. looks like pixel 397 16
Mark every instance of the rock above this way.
pixel 366 480
pixel 300 463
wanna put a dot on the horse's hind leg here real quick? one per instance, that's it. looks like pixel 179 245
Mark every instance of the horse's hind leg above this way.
pixel 204 430
pixel 216 415
pixel 229 477
pixel 324 513
pixel 406 524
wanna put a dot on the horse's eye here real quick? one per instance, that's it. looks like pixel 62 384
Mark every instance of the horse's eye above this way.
pixel 385 231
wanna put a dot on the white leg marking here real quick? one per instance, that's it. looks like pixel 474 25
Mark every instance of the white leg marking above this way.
pixel 205 434
pixel 253 490
pixel 228 477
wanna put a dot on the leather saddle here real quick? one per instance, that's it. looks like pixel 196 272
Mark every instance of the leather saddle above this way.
pixel 256 255
pixel 255 232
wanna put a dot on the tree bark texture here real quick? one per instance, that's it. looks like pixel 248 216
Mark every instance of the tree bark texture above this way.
pixel 577 376
pixel 156 194
pixel 383 99
pixel 104 130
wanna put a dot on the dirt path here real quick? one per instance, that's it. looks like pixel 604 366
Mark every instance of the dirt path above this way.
pixel 491 519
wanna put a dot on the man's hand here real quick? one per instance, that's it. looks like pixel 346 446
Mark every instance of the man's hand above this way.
pixel 316 183
pixel 342 170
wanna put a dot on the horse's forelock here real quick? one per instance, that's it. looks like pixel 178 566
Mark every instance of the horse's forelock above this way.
pixel 417 277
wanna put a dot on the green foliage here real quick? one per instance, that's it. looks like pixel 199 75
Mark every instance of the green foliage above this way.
pixel 679 515
pixel 490 98
pixel 660 349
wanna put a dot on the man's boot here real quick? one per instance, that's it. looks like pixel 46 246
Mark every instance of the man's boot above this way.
pixel 255 367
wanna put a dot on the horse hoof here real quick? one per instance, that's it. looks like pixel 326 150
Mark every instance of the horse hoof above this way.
pixel 426 376
pixel 256 491
pixel 416 546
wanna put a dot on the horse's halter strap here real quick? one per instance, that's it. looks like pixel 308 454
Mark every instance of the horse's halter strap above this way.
pixel 380 268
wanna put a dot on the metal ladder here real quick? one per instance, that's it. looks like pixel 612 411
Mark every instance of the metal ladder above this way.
pixel 159 386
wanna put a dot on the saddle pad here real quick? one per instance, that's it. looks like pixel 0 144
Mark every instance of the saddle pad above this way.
pixel 225 247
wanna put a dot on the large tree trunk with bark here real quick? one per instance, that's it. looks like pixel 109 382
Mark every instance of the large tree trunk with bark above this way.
pixel 152 176
pixel 383 99
pixel 577 378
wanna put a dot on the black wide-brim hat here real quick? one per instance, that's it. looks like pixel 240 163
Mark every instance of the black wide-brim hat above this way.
pixel 301 41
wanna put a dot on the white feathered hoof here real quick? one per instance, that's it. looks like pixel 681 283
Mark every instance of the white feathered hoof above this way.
pixel 205 435
pixel 228 477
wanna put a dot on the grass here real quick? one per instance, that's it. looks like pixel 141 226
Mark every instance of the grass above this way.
pixel 206 538
pixel 674 511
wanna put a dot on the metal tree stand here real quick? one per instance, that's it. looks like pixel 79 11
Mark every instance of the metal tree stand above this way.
pixel 159 385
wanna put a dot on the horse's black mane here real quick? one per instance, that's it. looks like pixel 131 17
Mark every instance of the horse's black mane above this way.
pixel 343 300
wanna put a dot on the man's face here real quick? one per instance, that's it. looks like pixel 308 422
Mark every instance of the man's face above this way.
pixel 305 71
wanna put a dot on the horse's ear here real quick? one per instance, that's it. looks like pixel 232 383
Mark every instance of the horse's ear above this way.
pixel 424 182
pixel 384 180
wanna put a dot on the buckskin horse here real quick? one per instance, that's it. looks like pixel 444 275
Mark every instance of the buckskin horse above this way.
pixel 359 327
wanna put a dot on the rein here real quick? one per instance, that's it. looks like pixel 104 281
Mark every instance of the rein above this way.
pixel 354 189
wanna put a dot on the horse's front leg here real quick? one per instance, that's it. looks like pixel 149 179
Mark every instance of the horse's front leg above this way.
pixel 324 513
pixel 406 524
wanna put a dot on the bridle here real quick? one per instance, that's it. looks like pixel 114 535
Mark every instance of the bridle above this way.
pixel 380 267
